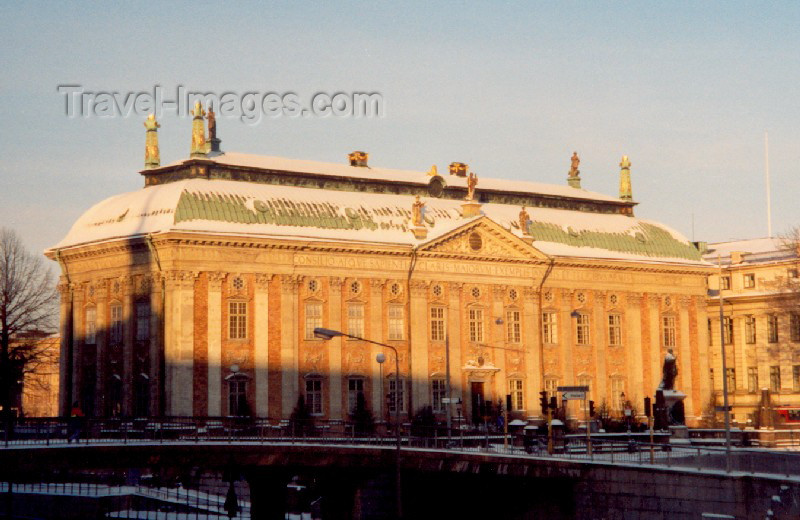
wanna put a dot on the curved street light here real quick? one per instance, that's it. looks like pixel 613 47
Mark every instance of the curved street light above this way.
pixel 327 334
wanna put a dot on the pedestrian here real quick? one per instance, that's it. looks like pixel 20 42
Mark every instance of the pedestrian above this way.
pixel 75 422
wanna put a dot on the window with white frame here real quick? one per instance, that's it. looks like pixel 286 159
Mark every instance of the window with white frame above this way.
pixel 355 386
pixel 314 395
pixel 355 319
pixel 142 321
pixel 617 393
pixel 750 329
pixel 772 328
pixel 396 322
pixel 730 375
pixel 551 387
pixel 115 332
pixel 727 329
pixel 614 330
pixel 513 326
pixel 582 329
pixel 725 283
pixel 517 395
pixel 437 324
pixel 475 324
pixel 438 392
pixel 749 280
pixel 396 395
pixel 313 318
pixel 752 380
pixel 237 320
pixel 775 379
pixel 586 381
pixel 668 331
pixel 550 327
pixel 90 330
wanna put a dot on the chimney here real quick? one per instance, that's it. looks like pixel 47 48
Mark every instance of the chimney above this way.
pixel 702 247
pixel 358 159
pixel 737 257
pixel 458 169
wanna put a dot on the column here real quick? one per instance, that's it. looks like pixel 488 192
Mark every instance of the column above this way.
pixel 128 342
pixel 565 335
pixel 375 333
pixel 65 374
pixel 157 343
pixel 261 343
pixel 179 342
pixel 531 321
pixel 685 360
pixel 633 346
pixel 497 337
pixel 78 341
pixel 289 343
pixel 214 339
pixel 457 387
pixel 418 345
pixel 335 350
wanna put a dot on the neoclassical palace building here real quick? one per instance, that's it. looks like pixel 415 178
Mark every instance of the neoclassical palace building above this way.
pixel 199 293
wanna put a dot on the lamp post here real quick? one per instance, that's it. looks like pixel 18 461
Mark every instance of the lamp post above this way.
pixel 327 334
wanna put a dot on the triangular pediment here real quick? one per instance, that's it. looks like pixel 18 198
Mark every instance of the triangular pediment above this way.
pixel 482 238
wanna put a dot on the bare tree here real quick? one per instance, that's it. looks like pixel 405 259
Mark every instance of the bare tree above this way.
pixel 27 309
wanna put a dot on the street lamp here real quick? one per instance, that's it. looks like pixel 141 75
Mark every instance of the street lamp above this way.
pixel 327 334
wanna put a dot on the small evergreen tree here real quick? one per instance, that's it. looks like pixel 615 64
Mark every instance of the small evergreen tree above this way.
pixel 301 422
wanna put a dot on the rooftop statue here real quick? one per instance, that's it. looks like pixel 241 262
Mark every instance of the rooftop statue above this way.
pixel 198 131
pixel 416 212
pixel 524 218
pixel 472 181
pixel 576 161
pixel 212 124
pixel 152 157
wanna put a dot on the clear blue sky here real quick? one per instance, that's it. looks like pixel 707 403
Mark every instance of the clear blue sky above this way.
pixel 687 90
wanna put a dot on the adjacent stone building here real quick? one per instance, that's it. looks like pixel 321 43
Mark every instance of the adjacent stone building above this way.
pixel 761 323
pixel 199 294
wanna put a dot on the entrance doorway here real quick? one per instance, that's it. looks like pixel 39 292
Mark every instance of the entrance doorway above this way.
pixel 477 402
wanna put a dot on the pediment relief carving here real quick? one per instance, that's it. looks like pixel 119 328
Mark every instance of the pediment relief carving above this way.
pixel 482 239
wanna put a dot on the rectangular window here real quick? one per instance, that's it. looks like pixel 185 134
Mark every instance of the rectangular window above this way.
pixel 90 334
pixel 355 319
pixel 237 396
pixel 513 326
pixel 725 283
pixel 438 392
pixel 115 335
pixel 749 329
pixel 794 326
pixel 476 325
pixel 237 320
pixel 314 396
pixel 614 330
pixel 396 321
pixel 582 329
pixel 668 331
pixel 749 280
pixel 727 329
pixel 796 378
pixel 142 321
pixel 752 380
pixel 355 386
pixel 396 395
pixel 772 328
pixel 437 324
pixel 551 387
pixel 775 379
pixel 313 318
pixel 517 395
pixel 549 327
pixel 617 393
pixel 731 377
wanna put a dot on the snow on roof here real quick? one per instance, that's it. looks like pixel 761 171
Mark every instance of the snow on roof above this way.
pixel 756 250
pixel 299 213
pixel 343 169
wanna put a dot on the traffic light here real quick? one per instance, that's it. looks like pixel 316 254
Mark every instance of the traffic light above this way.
pixel 647 408
pixel 591 408
pixel 543 401
pixel 553 403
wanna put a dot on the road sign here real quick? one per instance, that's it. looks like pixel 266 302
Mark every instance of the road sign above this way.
pixel 722 408
pixel 451 400
pixel 573 388
pixel 573 395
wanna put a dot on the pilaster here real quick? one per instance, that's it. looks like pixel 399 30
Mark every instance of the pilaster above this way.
pixel 599 347
pixel 420 370
pixel 497 337
pixel 101 365
pixel 261 344
pixel 533 348
pixel 377 320
pixel 157 343
pixel 214 343
pixel 567 332
pixel 685 360
pixel 179 341
pixel 654 347
pixel 79 341
pixel 65 291
pixel 289 369
pixel 633 346
pixel 457 386
pixel 128 342
pixel 335 284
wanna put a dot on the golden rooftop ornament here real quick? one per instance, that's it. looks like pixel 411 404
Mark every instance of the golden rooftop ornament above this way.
pixel 152 157
pixel 199 145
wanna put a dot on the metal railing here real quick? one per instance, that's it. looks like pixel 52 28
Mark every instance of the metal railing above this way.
pixel 614 449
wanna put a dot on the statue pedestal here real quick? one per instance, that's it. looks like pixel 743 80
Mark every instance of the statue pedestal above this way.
pixel 527 239
pixel 673 396
pixel 420 232
pixel 470 209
